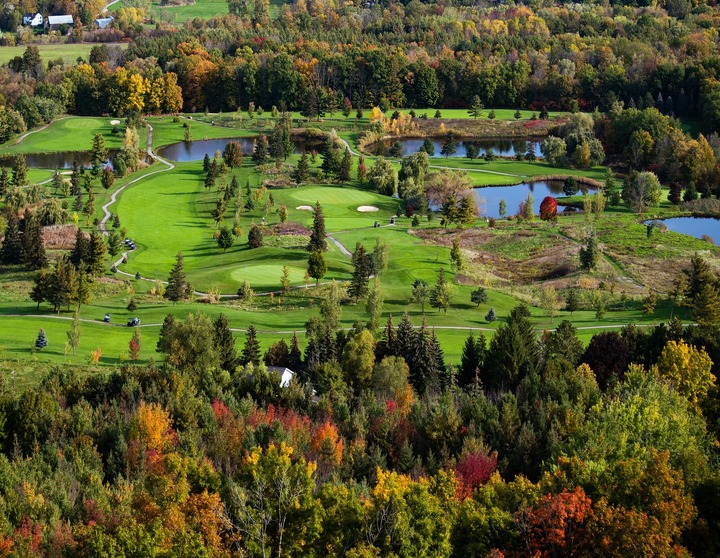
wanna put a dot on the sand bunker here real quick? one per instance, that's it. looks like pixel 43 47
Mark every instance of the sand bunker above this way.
pixel 367 208
pixel 305 208
pixel 114 122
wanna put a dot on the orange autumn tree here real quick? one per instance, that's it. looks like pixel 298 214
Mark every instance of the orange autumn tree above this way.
pixel 327 444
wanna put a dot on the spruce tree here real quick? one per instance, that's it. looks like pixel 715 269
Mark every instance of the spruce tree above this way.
pixel 473 355
pixel 81 251
pixel 63 284
pixel 406 339
pixel 19 171
pixel 345 167
pixel 206 163
pixel 108 178
pixel 41 342
pixel 96 254
pixel 441 294
pixel 11 251
pixel 4 181
pixel 98 154
pixel 317 236
pixel 41 286
pixel 75 179
pixel 388 345
pixel 302 170
pixel 225 344
pixel 295 356
pixel 317 268
pixel 177 288
pixel 260 153
pixel 33 249
pixel 359 283
pixel 251 350
pixel 83 293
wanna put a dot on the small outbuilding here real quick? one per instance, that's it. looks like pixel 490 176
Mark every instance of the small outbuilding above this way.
pixel 103 22
pixel 56 22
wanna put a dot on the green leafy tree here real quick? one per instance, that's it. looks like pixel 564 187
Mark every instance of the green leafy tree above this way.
pixel 362 263
pixel 564 342
pixel 73 334
pixel 374 305
pixel 225 238
pixel 479 296
pixel 642 192
pixel 255 237
pixel 98 154
pixel 420 293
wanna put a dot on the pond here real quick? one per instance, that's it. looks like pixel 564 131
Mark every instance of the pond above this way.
pixel 694 226
pixel 184 152
pixel 488 198
pixel 503 147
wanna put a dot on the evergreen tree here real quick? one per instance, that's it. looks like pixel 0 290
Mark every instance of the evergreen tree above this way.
pixel 441 294
pixel 206 163
pixel 564 343
pixel 317 268
pixel 33 248
pixel 83 293
pixel 108 178
pixel 360 277
pixel 361 171
pixel 473 356
pixel 490 316
pixel 260 154
pixel 249 203
pixel 89 207
pixel 4 181
pixel 225 344
pixel 19 171
pixel 255 237
pixel 449 146
pixel 295 356
pixel 572 301
pixel 75 179
pixel 98 154
pixel 302 171
pixel 177 288
pixel 41 342
pixel 63 285
pixel 406 339
pixel 81 251
pixel 96 254
pixel 41 287
pixel 388 345
pixel 317 236
pixel 345 167
pixel 589 253
pixel 428 147
pixel 251 350
pixel 476 108
pixel 513 352
pixel 706 306
pixel 114 244
pixel 73 334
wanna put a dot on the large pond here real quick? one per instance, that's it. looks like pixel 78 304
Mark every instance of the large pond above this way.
pixel 184 152
pixel 694 226
pixel 502 147
pixel 488 198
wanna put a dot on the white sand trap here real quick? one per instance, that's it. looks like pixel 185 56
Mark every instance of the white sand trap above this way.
pixel 114 122
pixel 368 208
pixel 305 208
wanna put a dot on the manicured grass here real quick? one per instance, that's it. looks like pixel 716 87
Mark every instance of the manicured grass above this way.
pixel 68 52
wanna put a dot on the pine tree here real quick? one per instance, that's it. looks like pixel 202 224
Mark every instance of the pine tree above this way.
pixel 96 254
pixel 89 206
pixel 476 108
pixel 75 179
pixel 81 251
pixel 473 355
pixel 245 293
pixel 19 171
pixel 249 203
pixel 317 268
pixel 41 342
pixel 41 287
pixel 11 251
pixel 33 248
pixel 260 154
pixel 225 344
pixel 63 284
pixel 177 288
pixel 295 357
pixel 255 237
pixel 361 171
pixel 441 294
pixel 251 350
pixel 317 236
pixel 83 293
pixel 114 244
pixel 572 301
pixel 345 167
pixel 388 345
pixel 4 181
pixel 206 163
pixel 360 277
pixel 302 171
pixel 98 154
pixel 108 178
pixel 406 339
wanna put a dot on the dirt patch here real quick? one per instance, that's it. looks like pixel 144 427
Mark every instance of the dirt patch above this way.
pixel 60 237
pixel 304 208
pixel 367 208
pixel 289 229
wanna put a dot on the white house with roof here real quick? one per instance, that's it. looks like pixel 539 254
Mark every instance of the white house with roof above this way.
pixel 33 19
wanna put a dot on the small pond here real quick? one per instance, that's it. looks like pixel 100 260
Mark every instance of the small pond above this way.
pixel 488 198
pixel 184 152
pixel 502 147
pixel 694 226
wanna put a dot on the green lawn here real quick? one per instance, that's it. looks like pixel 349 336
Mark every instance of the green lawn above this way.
pixel 68 52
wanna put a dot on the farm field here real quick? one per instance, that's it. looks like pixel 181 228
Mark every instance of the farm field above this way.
pixel 69 53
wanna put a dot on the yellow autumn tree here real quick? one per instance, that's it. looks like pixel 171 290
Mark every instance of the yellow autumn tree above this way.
pixel 687 368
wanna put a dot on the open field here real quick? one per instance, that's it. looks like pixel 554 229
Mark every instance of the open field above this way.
pixel 68 52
